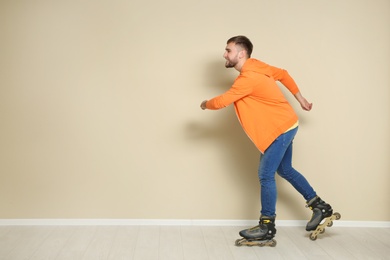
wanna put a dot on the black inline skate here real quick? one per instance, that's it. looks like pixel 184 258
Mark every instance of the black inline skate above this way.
pixel 321 210
pixel 260 235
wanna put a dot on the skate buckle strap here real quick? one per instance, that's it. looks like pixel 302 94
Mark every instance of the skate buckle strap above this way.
pixel 310 207
pixel 253 228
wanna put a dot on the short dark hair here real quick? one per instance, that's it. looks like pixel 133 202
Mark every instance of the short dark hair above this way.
pixel 244 42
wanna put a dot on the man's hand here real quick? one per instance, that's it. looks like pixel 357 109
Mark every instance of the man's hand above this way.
pixel 203 105
pixel 304 103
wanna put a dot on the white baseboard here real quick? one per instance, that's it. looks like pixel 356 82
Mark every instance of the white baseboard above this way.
pixel 175 222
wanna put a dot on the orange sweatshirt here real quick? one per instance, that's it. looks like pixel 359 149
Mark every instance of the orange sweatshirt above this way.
pixel 262 109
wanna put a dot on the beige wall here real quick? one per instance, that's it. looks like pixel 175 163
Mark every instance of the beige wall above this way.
pixel 100 118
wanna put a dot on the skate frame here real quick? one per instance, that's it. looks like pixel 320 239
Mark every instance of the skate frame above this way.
pixel 328 222
pixel 261 243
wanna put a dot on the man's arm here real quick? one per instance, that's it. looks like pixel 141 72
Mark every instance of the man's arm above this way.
pixel 304 103
pixel 284 77
pixel 241 88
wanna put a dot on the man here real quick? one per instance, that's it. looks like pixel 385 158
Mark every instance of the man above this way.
pixel 271 124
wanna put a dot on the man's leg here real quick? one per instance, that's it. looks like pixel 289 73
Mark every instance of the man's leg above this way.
pixel 297 180
pixel 269 164
pixel 320 208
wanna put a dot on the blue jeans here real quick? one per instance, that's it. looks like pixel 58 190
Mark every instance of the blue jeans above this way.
pixel 278 158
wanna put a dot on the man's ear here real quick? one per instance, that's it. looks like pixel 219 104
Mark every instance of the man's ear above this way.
pixel 242 54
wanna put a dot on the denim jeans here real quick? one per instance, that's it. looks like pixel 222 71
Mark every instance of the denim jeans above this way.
pixel 278 158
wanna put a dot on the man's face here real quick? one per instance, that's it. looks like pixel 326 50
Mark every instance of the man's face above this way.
pixel 231 54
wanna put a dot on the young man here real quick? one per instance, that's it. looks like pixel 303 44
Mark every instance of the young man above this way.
pixel 271 123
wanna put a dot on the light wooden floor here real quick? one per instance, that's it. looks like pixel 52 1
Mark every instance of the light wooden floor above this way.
pixel 185 242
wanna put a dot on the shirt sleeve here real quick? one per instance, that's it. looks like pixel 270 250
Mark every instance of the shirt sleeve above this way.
pixel 241 88
pixel 284 77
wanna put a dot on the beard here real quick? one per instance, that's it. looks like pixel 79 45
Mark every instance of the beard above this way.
pixel 231 63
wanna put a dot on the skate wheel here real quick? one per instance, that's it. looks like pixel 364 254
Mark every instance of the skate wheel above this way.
pixel 337 215
pixel 313 237
pixel 273 243
pixel 322 230
pixel 238 242
pixel 329 224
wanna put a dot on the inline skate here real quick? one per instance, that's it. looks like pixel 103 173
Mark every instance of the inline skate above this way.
pixel 260 235
pixel 322 217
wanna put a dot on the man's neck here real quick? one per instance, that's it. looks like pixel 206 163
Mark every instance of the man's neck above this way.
pixel 239 65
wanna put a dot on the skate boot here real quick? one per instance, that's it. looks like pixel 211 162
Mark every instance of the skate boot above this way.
pixel 321 210
pixel 260 235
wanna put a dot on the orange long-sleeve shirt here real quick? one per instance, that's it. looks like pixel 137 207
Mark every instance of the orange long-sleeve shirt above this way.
pixel 262 109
